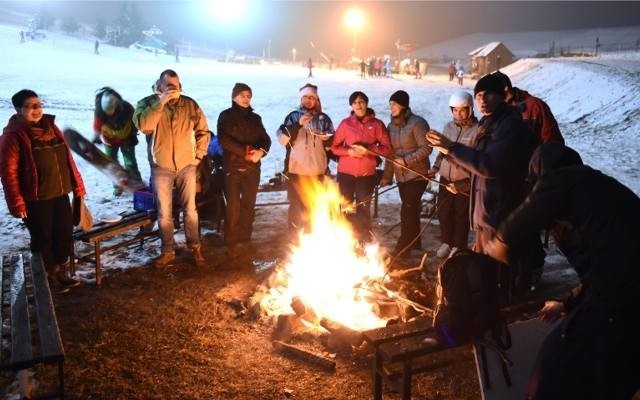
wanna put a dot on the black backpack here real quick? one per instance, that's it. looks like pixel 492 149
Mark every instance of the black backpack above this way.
pixel 469 300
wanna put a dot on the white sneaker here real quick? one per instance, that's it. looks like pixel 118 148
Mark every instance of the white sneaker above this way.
pixel 443 251
pixel 453 251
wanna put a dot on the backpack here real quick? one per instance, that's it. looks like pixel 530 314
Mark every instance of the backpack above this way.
pixel 468 303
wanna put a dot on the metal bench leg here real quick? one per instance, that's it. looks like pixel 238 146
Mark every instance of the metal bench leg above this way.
pixel 98 267
pixel 377 377
pixel 375 201
pixel 406 380
pixel 61 378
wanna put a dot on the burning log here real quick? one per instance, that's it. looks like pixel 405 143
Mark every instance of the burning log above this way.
pixel 286 325
pixel 341 338
pixel 304 355
pixel 303 311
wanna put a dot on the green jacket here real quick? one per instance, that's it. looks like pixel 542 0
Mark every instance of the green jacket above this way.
pixel 177 134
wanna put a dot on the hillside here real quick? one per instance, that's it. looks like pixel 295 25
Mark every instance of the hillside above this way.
pixel 529 44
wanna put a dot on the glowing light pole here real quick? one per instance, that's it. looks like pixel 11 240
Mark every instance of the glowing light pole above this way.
pixel 355 20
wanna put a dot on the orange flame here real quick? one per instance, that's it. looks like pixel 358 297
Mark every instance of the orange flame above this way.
pixel 324 269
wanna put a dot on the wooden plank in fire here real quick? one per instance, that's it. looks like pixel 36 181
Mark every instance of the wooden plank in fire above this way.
pixel 305 355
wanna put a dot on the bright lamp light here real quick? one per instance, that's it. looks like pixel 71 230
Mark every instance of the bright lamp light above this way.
pixel 228 10
pixel 355 18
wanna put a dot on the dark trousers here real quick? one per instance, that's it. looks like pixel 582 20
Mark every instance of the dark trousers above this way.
pixel 411 196
pixel 298 217
pixel 453 214
pixel 51 227
pixel 360 189
pixel 241 189
pixel 592 354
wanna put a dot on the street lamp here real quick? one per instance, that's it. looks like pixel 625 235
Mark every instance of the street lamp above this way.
pixel 293 55
pixel 355 20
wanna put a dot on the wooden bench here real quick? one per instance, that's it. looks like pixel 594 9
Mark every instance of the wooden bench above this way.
pixel 141 220
pixel 29 321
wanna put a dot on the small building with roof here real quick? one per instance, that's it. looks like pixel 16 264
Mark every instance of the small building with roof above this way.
pixel 490 57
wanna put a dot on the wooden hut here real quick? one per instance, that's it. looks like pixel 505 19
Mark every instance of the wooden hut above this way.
pixel 489 58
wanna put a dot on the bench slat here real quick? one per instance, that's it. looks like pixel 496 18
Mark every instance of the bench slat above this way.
pixel 50 343
pixel 21 351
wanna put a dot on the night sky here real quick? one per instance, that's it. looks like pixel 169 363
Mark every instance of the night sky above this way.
pixel 283 25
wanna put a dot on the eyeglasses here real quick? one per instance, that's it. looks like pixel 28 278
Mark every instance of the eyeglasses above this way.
pixel 34 106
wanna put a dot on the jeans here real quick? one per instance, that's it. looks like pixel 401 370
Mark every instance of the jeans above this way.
pixel 410 195
pixel 185 182
pixel 128 157
pixel 50 226
pixel 359 188
pixel 241 189
pixel 453 214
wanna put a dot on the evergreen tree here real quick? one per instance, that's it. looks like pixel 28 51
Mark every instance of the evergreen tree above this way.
pixel 45 19
pixel 128 25
pixel 70 25
pixel 100 30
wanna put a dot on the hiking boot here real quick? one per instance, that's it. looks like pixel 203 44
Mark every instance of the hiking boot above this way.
pixel 63 279
pixel 443 251
pixel 164 259
pixel 198 258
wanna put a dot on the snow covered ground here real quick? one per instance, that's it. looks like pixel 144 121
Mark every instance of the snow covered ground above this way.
pixel 596 101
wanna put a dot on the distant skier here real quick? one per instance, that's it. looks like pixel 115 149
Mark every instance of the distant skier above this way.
pixel 363 69
pixel 452 71
pixel 418 73
pixel 96 47
pixel 310 66
pixel 177 52
pixel 460 76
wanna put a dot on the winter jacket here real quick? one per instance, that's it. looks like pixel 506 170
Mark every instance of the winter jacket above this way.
pixel 408 141
pixel 498 164
pixel 369 132
pixel 593 219
pixel 113 133
pixel 18 168
pixel 239 127
pixel 538 117
pixel 306 152
pixel 462 133
pixel 177 133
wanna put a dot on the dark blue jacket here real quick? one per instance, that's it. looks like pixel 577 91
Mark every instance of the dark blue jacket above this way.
pixel 498 163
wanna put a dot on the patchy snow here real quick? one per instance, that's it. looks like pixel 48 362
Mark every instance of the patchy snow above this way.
pixel 596 101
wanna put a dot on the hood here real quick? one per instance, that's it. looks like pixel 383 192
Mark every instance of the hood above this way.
pixel 549 157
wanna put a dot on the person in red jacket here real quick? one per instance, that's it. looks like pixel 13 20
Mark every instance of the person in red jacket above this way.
pixel 37 173
pixel 359 140
pixel 536 114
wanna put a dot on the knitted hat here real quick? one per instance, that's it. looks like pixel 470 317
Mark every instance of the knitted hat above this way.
pixel 309 90
pixel 357 94
pixel 401 97
pixel 489 83
pixel 19 98
pixel 240 87
pixel 504 78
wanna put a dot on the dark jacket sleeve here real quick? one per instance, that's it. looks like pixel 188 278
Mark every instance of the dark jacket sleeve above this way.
pixel 508 149
pixel 226 138
pixel 264 141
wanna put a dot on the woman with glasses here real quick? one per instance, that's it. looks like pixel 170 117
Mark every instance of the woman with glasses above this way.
pixel 38 172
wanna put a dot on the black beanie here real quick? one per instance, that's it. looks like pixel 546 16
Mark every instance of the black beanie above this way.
pixel 357 94
pixel 240 87
pixel 19 98
pixel 401 97
pixel 504 78
pixel 489 83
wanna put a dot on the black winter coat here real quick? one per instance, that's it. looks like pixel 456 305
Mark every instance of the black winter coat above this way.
pixel 239 127
pixel 498 164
